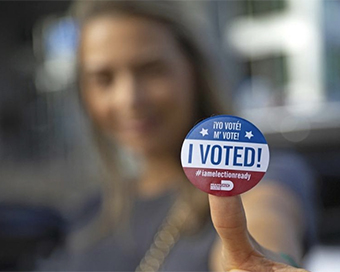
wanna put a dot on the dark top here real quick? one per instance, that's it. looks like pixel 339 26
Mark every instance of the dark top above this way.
pixel 123 251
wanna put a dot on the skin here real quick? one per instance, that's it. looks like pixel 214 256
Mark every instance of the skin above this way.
pixel 139 88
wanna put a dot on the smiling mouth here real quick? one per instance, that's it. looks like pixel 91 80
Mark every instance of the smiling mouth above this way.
pixel 140 126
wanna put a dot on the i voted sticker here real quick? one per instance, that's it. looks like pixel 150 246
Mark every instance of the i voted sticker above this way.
pixel 225 155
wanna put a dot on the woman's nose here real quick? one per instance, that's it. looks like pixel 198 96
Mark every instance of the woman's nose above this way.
pixel 129 91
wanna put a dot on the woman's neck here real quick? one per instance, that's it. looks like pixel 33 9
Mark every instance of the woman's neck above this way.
pixel 160 175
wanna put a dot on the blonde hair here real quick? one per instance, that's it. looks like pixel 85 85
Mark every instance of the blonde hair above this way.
pixel 210 86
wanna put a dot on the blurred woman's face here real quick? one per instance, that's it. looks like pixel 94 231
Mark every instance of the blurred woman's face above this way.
pixel 137 84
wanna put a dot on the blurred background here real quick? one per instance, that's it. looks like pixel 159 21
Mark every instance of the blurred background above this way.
pixel 282 61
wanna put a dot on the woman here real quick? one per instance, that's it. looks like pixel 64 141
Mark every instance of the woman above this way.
pixel 145 82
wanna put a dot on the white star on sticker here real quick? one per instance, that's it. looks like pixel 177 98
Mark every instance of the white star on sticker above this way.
pixel 204 132
pixel 249 134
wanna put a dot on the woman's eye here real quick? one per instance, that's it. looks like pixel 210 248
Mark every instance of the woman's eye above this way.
pixel 154 69
pixel 102 80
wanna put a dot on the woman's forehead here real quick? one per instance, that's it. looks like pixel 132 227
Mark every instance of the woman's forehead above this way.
pixel 126 39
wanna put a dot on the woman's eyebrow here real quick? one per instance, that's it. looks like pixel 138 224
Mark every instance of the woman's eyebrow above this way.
pixel 151 62
pixel 139 62
pixel 95 68
pixel 151 57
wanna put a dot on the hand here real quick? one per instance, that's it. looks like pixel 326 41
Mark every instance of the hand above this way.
pixel 239 251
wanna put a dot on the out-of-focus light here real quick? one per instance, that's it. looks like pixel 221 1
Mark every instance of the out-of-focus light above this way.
pixel 298 125
pixel 270 34
pixel 59 40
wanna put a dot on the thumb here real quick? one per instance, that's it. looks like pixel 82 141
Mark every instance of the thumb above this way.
pixel 229 219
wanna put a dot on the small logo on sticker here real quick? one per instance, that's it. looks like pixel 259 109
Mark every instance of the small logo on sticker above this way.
pixel 226 185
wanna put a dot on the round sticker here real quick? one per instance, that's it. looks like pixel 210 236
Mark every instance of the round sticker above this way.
pixel 225 155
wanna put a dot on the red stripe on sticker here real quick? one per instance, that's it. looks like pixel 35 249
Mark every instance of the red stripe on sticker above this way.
pixel 223 182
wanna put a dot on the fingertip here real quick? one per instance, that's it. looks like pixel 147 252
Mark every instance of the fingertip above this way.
pixel 226 209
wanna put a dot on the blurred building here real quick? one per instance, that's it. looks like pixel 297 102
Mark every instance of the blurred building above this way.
pixel 290 85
